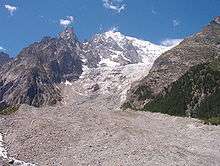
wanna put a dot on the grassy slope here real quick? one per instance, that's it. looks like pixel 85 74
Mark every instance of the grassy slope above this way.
pixel 8 110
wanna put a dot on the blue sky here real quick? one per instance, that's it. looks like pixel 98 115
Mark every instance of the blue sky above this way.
pixel 23 22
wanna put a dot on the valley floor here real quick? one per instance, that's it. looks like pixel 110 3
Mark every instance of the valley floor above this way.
pixel 89 129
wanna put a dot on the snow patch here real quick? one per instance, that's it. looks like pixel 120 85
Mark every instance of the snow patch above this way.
pixel 3 152
pixel 115 54
pixel 67 83
pixel 108 62
pixel 21 163
pixel 4 155
pixel 114 35
pixel 148 51
pixel 217 20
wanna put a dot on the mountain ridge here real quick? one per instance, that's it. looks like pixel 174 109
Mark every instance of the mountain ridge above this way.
pixel 118 49
pixel 33 77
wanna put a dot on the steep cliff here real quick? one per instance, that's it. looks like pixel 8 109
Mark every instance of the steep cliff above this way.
pixel 33 76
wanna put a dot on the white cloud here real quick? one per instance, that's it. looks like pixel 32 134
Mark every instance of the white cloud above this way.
pixel 2 49
pixel 171 42
pixel 153 12
pixel 176 23
pixel 66 22
pixel 11 9
pixel 115 5
pixel 71 18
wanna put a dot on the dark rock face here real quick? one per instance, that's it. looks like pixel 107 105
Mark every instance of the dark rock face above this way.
pixel 95 87
pixel 4 58
pixel 33 76
pixel 201 48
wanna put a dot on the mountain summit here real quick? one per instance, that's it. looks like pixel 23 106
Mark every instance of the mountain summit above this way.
pixel 217 19
pixel 112 48
pixel 32 76
pixel 68 35
pixel 4 58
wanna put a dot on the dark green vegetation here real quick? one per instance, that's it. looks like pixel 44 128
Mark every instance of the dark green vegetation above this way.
pixel 143 92
pixel 213 121
pixel 8 110
pixel 196 94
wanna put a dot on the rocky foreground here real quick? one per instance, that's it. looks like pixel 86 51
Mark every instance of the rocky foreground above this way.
pixel 88 129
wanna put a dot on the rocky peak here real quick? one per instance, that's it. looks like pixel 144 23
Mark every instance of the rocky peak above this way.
pixel 4 55
pixel 210 34
pixel 114 35
pixel 68 34
pixel 217 19
pixel 35 73
pixel 46 39
pixel 4 58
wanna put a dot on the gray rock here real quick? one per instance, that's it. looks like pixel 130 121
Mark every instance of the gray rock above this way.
pixel 4 59
pixel 95 87
pixel 32 77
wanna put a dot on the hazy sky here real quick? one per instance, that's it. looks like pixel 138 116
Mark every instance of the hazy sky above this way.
pixel 25 21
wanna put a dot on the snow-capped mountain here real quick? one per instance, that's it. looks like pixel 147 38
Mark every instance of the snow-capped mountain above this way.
pixel 113 61
pixel 110 60
pixel 113 49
